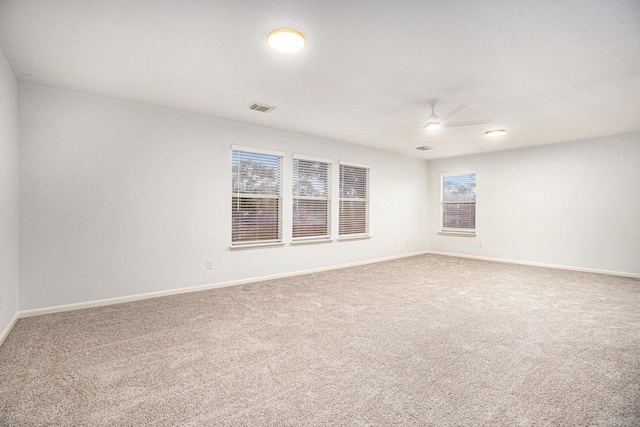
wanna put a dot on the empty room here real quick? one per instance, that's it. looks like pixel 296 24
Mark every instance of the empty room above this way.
pixel 315 213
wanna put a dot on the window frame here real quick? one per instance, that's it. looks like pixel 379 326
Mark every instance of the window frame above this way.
pixel 279 240
pixel 366 200
pixel 294 198
pixel 470 232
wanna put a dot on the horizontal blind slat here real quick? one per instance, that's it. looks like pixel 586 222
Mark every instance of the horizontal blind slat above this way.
pixel 311 194
pixel 459 201
pixel 256 197
pixel 353 212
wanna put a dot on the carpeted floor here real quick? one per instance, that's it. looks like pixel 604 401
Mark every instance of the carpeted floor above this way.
pixel 427 340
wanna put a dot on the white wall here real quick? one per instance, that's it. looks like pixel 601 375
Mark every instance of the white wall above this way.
pixel 8 195
pixel 574 204
pixel 119 198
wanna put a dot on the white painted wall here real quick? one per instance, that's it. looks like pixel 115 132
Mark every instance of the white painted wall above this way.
pixel 119 198
pixel 8 195
pixel 574 204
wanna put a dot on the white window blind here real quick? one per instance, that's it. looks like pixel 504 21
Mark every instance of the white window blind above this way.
pixel 311 201
pixel 459 202
pixel 354 200
pixel 256 197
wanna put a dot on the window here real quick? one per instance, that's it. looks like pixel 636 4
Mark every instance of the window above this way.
pixel 256 197
pixel 459 202
pixel 354 200
pixel 311 198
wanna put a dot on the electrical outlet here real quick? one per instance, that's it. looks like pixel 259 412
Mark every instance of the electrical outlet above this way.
pixel 209 264
pixel 479 244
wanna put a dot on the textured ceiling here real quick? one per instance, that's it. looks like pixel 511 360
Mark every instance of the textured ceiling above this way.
pixel 547 71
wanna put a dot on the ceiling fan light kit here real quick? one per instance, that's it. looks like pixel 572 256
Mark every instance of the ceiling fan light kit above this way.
pixel 432 122
pixel 432 126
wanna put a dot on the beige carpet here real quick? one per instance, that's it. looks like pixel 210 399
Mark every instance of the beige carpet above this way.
pixel 427 340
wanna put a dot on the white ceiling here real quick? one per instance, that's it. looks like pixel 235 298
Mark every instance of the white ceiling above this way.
pixel 547 71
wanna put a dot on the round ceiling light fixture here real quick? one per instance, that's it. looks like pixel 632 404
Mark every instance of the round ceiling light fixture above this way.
pixel 495 132
pixel 286 40
pixel 433 125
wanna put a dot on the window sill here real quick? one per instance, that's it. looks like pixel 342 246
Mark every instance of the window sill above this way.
pixel 255 245
pixel 310 241
pixel 358 237
pixel 457 233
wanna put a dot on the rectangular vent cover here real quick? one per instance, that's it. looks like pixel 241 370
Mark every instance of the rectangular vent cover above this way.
pixel 263 108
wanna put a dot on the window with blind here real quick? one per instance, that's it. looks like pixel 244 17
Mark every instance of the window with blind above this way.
pixel 256 197
pixel 458 202
pixel 354 200
pixel 311 198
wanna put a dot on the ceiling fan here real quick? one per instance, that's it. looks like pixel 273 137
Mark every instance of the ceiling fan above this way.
pixel 436 122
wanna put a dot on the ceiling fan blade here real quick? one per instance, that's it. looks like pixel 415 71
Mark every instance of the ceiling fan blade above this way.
pixel 404 131
pixel 406 121
pixel 468 123
pixel 453 112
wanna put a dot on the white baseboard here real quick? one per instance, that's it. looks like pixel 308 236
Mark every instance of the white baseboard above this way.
pixel 539 264
pixel 9 327
pixel 138 297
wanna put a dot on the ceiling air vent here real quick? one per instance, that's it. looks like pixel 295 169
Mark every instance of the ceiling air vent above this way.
pixel 263 108
pixel 424 148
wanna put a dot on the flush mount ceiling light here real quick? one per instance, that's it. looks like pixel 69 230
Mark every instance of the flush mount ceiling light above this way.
pixel 495 132
pixel 286 40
